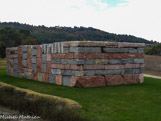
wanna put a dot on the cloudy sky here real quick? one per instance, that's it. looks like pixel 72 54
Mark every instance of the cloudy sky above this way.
pixel 141 18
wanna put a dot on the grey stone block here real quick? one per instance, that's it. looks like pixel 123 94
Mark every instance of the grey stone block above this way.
pixel 34 68
pixel 44 59
pixel 15 67
pixel 51 78
pixel 85 49
pixel 137 71
pixel 34 60
pixel 138 60
pixel 129 60
pixel 24 49
pixel 66 50
pixel 24 55
pixel 68 72
pixel 15 61
pixel 140 50
pixel 100 72
pixel 114 61
pixel 91 61
pixel 34 52
pixel 73 61
pixel 44 49
pixel 56 71
pixel 89 72
pixel 133 50
pixel 114 72
pixel 24 63
pixel 67 80
pixel 56 61
pixel 43 67
pixel 116 50
pixel 79 73
pixel 128 71
pixel 16 74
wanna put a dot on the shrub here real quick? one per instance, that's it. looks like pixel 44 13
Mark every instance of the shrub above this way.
pixel 48 107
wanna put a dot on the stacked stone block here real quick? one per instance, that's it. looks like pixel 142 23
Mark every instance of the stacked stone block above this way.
pixel 79 63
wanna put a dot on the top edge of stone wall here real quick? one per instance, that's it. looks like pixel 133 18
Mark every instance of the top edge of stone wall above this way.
pixel 88 44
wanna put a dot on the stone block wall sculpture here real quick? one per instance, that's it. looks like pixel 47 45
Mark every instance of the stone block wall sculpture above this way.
pixel 78 63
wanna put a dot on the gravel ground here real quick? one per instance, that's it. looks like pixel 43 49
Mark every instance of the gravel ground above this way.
pixel 11 115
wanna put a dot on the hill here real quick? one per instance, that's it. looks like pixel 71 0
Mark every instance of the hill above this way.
pixel 55 34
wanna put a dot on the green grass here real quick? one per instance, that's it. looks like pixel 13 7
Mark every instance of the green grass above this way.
pixel 140 102
pixel 2 63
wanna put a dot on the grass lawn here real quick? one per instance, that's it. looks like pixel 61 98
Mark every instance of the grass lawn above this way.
pixel 115 103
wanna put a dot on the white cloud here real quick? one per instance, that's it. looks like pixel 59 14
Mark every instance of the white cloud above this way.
pixel 139 17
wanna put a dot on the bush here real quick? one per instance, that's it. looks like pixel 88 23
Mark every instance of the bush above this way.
pixel 48 107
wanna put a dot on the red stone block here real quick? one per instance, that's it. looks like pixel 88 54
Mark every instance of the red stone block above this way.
pixel 20 64
pixel 11 62
pixel 34 76
pixel 132 65
pixel 94 56
pixel 58 79
pixel 88 81
pixel 132 78
pixel 19 52
pixel 45 77
pixel 79 55
pixel 48 69
pixel 38 63
pixel 39 51
pixel 114 67
pixel 57 66
pixel 29 57
pixel 93 67
pixel 76 67
pixel 114 80
pixel 123 55
pixel 57 56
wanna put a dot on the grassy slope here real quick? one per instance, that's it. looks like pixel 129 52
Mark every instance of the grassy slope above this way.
pixel 115 103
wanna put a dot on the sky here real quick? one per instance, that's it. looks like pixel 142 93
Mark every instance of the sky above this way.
pixel 141 18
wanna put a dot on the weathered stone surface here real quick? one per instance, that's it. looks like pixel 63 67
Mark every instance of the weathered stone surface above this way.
pixel 45 77
pixel 48 57
pixel 140 50
pixel 48 68
pixel 114 72
pixel 38 63
pixel 56 71
pixel 51 78
pixel 93 67
pixel 24 63
pixel 89 72
pixel 34 52
pixel 141 78
pixel 66 50
pixel 34 60
pixel 19 52
pixel 129 60
pixel 24 56
pixel 85 49
pixel 108 67
pixel 15 67
pixel 125 44
pixel 132 78
pixel 114 80
pixel 43 67
pixel 88 81
pixel 24 49
pixel 96 61
pixel 56 61
pixel 114 61
pixel 19 63
pixel 73 61
pixel 29 63
pixel 34 76
pixel 116 50
pixel 44 59
pixel 58 79
pixel 15 61
pixel 137 71
pixel 70 67
pixel 39 52
pixel 66 80
pixel 100 72
pixel 34 68
pixel 138 60
pixel 133 50
pixel 40 76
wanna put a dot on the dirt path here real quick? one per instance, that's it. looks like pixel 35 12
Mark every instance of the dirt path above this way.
pixel 11 115
pixel 153 76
